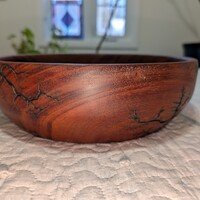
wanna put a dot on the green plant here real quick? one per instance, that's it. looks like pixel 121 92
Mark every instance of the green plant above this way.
pixel 53 46
pixel 27 45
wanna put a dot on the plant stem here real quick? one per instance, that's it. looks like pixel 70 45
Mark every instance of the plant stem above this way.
pixel 98 48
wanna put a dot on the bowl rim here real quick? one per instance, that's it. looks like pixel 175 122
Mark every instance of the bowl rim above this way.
pixel 175 60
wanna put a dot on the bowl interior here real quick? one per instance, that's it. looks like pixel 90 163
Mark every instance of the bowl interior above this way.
pixel 92 59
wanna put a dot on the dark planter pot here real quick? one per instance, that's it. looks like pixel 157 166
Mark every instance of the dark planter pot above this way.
pixel 192 50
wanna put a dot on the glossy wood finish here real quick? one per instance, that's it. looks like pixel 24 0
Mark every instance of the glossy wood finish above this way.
pixel 94 98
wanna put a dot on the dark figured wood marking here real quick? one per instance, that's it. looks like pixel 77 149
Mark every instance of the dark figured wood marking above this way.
pixel 28 100
pixel 158 118
pixel 90 98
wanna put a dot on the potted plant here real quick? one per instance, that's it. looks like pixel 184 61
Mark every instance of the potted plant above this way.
pixel 27 45
pixel 192 49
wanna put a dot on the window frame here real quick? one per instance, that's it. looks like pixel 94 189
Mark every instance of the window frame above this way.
pixel 90 39
pixel 100 31
pixel 81 24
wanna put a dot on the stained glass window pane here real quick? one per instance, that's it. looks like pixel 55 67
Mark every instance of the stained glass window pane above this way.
pixel 67 18
pixel 118 22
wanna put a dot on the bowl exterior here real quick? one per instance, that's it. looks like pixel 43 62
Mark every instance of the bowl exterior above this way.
pixel 94 103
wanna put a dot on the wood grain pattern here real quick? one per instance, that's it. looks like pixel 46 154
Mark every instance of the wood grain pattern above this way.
pixel 94 98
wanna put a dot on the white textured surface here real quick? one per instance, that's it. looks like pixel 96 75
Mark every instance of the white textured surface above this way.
pixel 161 166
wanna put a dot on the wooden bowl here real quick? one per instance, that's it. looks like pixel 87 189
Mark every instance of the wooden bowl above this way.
pixel 94 98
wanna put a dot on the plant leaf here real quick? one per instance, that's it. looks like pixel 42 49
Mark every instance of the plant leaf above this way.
pixel 11 36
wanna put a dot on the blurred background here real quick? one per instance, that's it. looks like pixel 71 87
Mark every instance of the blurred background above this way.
pixel 77 26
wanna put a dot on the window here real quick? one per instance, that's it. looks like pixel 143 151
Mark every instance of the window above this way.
pixel 104 10
pixel 87 20
pixel 67 18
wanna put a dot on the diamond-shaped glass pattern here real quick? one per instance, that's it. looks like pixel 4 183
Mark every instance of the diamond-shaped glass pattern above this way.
pixel 67 18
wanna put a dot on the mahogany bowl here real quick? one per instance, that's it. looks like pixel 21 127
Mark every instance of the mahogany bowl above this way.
pixel 94 98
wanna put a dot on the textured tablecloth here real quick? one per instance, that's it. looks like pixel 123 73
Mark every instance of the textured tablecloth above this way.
pixel 161 166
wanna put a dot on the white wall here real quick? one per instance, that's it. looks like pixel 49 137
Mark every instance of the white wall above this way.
pixel 18 14
pixel 162 28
